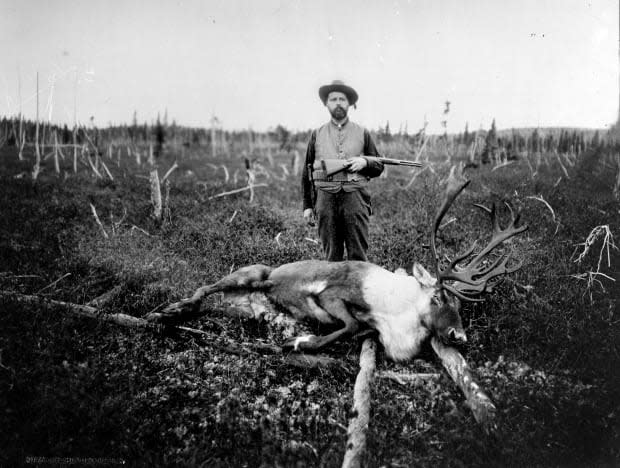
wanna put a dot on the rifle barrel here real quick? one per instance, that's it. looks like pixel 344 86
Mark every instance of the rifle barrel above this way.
pixel 399 162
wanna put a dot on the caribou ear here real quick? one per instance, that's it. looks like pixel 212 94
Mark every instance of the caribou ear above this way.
pixel 400 271
pixel 423 276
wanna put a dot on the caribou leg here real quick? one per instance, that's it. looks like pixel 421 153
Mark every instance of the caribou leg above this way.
pixel 335 309
pixel 251 278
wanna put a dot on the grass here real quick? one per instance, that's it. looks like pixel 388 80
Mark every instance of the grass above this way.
pixel 69 387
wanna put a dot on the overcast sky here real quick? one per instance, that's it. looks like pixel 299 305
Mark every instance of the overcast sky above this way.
pixel 259 63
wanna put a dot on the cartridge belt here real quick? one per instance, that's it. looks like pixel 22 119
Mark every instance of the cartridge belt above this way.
pixel 319 176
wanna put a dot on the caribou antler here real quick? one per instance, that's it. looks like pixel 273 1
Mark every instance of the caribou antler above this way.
pixel 456 184
pixel 473 279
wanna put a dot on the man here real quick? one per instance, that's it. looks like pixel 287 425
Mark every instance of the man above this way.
pixel 341 203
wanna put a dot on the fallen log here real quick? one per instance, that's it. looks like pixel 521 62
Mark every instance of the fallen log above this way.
pixel 310 361
pixel 407 379
pixel 240 349
pixel 358 425
pixel 459 370
pixel 80 310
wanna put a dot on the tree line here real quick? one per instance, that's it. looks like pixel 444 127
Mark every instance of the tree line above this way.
pixel 512 142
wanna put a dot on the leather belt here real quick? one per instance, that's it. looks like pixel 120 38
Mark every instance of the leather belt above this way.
pixel 318 175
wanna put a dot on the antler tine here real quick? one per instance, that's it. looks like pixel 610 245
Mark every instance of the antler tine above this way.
pixel 461 295
pixel 467 274
pixel 456 184
pixel 515 219
pixel 461 257
pixel 499 235
pixel 473 279
pixel 482 283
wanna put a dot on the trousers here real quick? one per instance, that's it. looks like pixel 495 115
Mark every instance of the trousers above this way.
pixel 343 219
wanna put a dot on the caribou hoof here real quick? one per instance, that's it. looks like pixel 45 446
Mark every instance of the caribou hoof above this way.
pixel 175 313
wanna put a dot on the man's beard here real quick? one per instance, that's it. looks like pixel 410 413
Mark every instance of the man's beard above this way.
pixel 338 113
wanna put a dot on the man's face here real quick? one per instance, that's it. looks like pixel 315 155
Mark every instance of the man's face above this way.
pixel 337 104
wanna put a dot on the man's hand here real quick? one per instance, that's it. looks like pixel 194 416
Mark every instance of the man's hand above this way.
pixel 356 164
pixel 309 216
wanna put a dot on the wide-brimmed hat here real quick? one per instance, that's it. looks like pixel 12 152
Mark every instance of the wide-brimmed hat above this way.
pixel 338 85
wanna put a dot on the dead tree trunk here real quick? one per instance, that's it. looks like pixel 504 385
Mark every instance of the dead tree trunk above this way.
pixel 37 164
pixel 358 425
pixel 155 186
pixel 477 400
pixel 242 349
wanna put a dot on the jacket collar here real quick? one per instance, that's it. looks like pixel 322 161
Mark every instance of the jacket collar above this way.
pixel 340 125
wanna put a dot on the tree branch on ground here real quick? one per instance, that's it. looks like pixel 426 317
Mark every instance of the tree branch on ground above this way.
pixel 358 425
pixel 457 367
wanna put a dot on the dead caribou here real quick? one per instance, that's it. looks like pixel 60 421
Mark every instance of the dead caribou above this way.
pixel 404 310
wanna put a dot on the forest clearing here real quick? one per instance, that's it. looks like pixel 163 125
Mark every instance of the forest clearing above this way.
pixel 121 227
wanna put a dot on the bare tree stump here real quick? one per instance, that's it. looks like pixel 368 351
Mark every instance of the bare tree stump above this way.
pixel 478 401
pixel 358 425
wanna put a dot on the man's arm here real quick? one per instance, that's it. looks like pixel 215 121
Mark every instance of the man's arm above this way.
pixel 306 184
pixel 373 168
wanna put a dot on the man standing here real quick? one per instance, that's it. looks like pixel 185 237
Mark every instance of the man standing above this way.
pixel 341 202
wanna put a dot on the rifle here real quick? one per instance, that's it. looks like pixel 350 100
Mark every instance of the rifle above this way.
pixel 334 166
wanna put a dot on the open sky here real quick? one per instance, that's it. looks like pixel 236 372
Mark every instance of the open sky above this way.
pixel 259 63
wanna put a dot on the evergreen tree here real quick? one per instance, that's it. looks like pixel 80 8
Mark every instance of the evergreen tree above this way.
pixel 133 130
pixel 66 135
pixel 387 133
pixel 535 141
pixel 160 137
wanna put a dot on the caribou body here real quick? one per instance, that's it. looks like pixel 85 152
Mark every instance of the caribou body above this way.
pixel 404 310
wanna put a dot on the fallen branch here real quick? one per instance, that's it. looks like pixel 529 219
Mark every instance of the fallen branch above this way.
pixel 310 361
pixel 107 171
pixel 212 339
pixel 407 379
pixel 237 191
pixel 542 200
pixel 480 404
pixel 53 283
pixel 92 208
pixel 92 166
pixel 561 165
pixel 358 425
pixel 170 171
pixel 79 310
pixel 504 164
pixel 139 229
pixel 603 232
